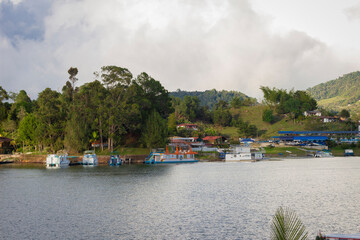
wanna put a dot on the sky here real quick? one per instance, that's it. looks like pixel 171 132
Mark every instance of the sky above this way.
pixel 185 44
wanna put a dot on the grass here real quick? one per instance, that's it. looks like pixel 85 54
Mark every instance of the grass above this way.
pixel 339 151
pixel 253 115
pixel 284 150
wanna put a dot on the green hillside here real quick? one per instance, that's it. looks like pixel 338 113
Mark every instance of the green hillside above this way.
pixel 253 114
pixel 211 97
pixel 343 92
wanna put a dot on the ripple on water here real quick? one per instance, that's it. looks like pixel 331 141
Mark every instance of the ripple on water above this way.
pixel 191 201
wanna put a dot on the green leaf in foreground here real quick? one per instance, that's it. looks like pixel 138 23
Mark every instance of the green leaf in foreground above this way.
pixel 287 226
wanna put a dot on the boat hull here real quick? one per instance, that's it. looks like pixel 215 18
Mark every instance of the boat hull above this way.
pixel 56 161
pixel 169 162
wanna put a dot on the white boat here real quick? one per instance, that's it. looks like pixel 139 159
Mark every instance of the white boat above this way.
pixel 348 152
pixel 243 153
pixel 323 154
pixel 57 160
pixel 343 236
pixel 90 158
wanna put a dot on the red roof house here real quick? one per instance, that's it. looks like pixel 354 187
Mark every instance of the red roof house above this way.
pixel 214 139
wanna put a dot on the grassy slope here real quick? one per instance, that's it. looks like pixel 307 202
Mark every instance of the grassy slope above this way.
pixel 343 92
pixel 253 115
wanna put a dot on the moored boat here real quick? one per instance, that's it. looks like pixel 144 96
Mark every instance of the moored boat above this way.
pixel 57 160
pixel 348 152
pixel 323 154
pixel 90 158
pixel 179 156
pixel 115 159
pixel 343 236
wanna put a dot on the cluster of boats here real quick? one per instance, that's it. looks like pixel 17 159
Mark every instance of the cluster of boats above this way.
pixel 235 154
pixel 61 159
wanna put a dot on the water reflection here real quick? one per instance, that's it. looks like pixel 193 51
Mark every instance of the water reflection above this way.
pixel 191 201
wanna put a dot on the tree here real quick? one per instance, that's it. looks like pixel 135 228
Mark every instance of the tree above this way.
pixel 284 102
pixel 27 130
pixel 236 102
pixel 3 106
pixel 21 106
pixel 153 96
pixel 50 118
pixel 245 129
pixel 155 131
pixel 121 112
pixel 73 72
pixel 268 116
pixel 287 226
pixel 172 124
pixel 189 108
pixel 344 113
pixel 222 117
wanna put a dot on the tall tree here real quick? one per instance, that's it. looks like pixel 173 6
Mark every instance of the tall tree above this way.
pixel 73 72
pixel 155 131
pixel 50 119
pixel 120 112
pixel 3 108
pixel 27 130
pixel 154 96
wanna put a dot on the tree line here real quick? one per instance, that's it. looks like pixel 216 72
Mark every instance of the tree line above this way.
pixel 116 108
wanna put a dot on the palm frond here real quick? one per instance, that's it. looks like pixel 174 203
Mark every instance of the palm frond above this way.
pixel 287 226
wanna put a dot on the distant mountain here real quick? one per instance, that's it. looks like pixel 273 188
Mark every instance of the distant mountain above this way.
pixel 211 97
pixel 343 92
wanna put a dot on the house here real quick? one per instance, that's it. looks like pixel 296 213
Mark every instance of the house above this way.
pixel 328 119
pixel 182 141
pixel 312 114
pixel 214 140
pixel 188 126
pixel 5 145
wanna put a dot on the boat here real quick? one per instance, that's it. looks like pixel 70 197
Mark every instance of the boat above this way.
pixel 57 160
pixel 242 153
pixel 90 158
pixel 348 152
pixel 115 159
pixel 323 154
pixel 343 236
pixel 179 156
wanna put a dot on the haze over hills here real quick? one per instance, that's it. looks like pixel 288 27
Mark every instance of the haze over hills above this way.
pixel 211 97
pixel 343 92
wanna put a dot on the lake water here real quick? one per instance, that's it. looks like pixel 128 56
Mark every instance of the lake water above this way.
pixel 191 201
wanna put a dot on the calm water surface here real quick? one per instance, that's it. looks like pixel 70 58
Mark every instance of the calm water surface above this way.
pixel 191 201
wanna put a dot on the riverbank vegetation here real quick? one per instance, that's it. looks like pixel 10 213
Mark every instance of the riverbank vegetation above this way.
pixel 118 110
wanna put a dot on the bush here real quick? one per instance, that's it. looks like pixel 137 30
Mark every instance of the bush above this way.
pixel 268 116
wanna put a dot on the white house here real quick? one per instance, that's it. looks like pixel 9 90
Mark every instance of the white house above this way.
pixel 312 114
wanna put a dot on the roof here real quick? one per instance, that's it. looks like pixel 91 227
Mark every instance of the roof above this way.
pixel 302 138
pixel 5 139
pixel 330 117
pixel 209 138
pixel 187 125
pixel 314 111
pixel 318 132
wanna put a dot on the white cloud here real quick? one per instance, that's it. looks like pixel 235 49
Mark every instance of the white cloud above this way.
pixel 353 13
pixel 192 45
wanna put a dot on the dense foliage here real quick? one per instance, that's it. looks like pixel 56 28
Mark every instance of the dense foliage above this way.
pixel 110 110
pixel 294 103
pixel 343 92
pixel 210 97
pixel 347 86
